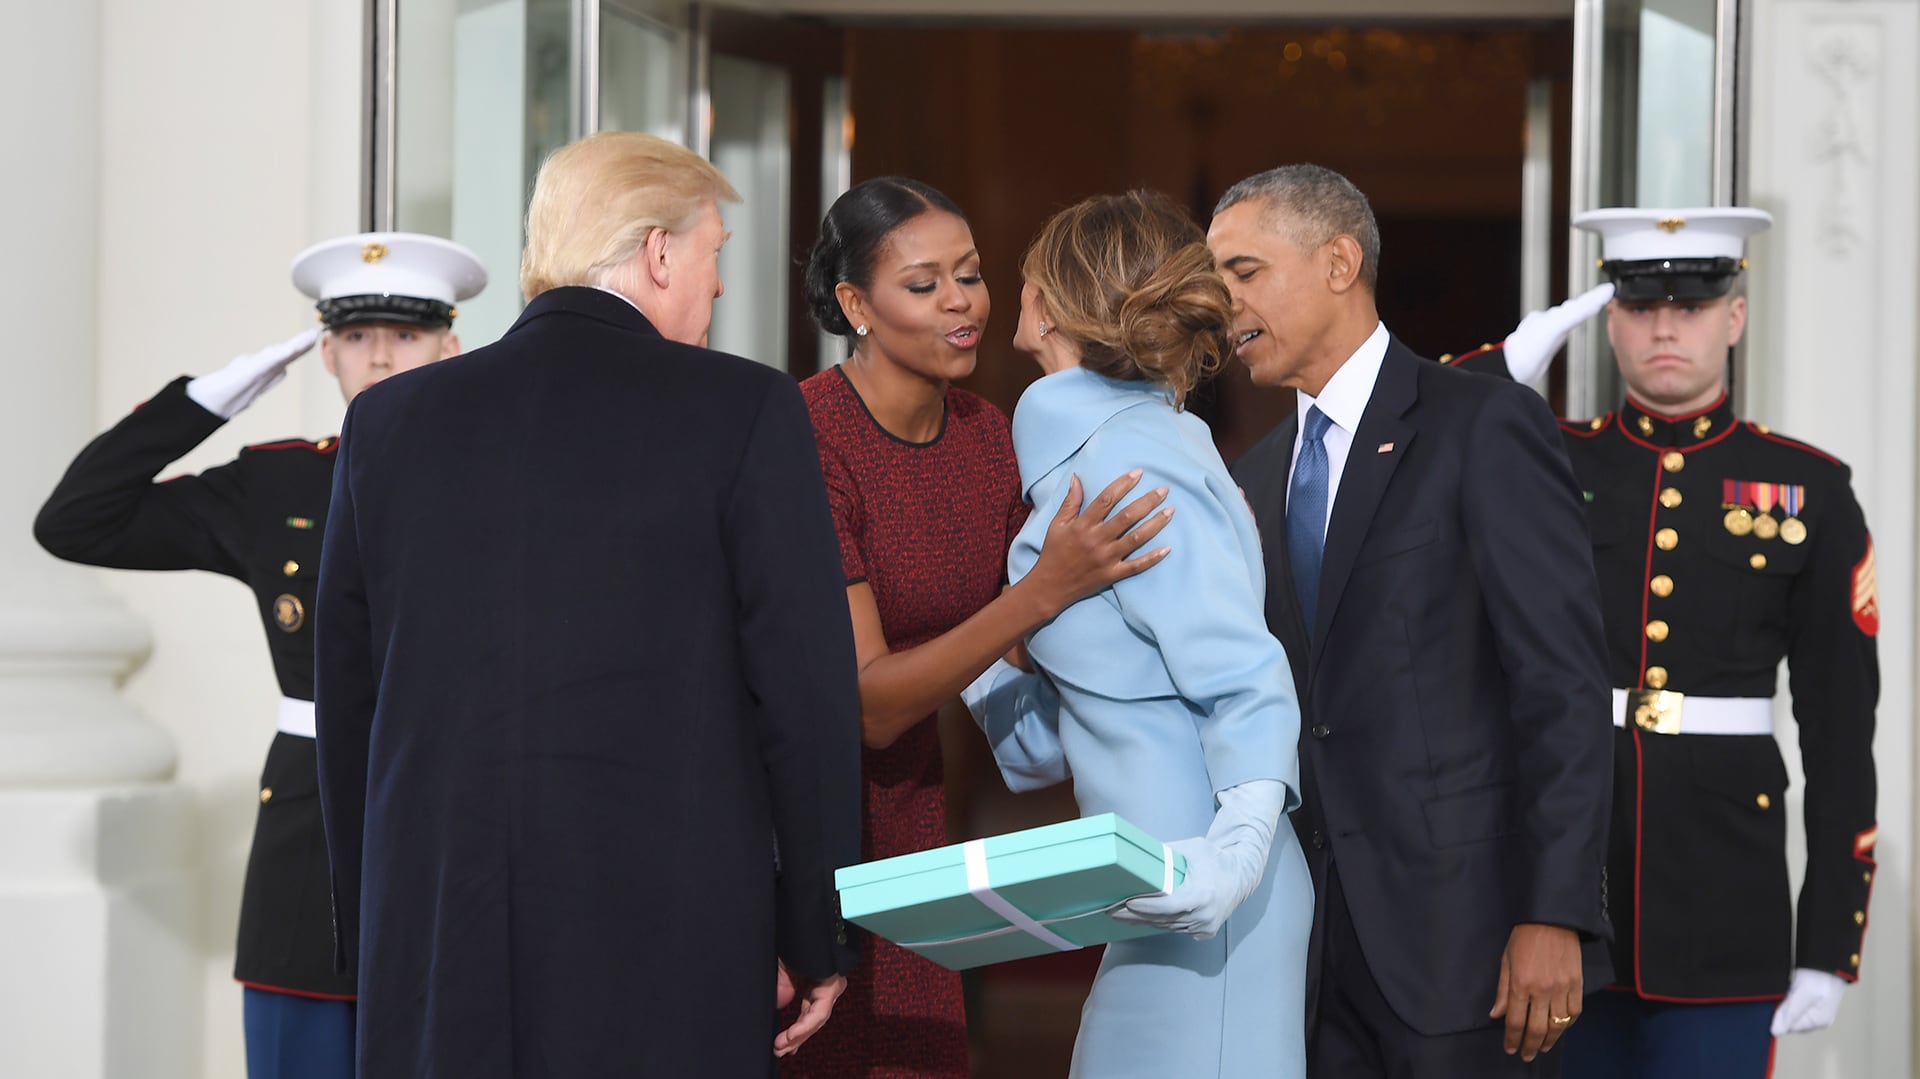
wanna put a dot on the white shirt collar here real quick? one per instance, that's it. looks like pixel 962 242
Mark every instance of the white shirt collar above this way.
pixel 1344 398
pixel 623 298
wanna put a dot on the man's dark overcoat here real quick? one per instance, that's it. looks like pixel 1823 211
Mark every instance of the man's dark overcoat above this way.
pixel 587 705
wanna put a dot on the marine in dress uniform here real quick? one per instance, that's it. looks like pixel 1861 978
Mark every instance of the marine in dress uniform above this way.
pixel 1722 548
pixel 385 301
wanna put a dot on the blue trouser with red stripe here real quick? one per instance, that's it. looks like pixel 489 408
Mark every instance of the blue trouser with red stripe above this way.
pixel 1621 1036
pixel 291 1037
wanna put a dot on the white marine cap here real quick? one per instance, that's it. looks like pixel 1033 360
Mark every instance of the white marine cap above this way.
pixel 388 277
pixel 1655 254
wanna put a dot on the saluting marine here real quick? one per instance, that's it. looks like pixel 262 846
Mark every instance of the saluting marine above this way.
pixel 386 304
pixel 1721 548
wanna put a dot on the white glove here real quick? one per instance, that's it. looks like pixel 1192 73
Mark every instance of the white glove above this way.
pixel 1223 869
pixel 1812 1002
pixel 232 388
pixel 1533 343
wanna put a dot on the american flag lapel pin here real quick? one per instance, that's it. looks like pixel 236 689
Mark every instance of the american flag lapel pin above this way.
pixel 1385 447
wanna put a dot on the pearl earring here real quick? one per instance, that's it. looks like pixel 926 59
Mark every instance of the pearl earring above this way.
pixel 862 330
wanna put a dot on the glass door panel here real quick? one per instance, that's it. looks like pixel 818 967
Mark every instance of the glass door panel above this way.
pixel 481 96
pixel 752 144
pixel 774 126
pixel 1653 123
pixel 644 78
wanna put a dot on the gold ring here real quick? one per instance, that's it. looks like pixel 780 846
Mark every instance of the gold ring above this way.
pixel 1560 1020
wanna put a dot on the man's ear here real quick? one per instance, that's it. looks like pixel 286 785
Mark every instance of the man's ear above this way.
pixel 1736 320
pixel 852 304
pixel 1344 258
pixel 654 253
pixel 326 354
pixel 449 345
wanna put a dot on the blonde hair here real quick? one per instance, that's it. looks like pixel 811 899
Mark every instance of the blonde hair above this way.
pixel 595 201
pixel 1130 280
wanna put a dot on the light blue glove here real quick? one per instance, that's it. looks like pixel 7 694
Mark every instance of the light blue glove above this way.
pixel 1223 868
pixel 1020 715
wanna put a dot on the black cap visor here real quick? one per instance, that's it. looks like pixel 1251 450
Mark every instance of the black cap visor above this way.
pixel 1653 280
pixel 407 310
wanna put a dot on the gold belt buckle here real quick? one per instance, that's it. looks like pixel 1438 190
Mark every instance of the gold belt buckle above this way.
pixel 1655 710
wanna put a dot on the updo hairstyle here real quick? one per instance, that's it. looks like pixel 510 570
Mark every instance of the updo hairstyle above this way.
pixel 1130 280
pixel 854 233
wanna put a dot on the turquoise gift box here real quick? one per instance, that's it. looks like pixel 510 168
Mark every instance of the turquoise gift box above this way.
pixel 1011 896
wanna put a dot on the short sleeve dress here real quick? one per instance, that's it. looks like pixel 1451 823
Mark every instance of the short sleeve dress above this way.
pixel 927 527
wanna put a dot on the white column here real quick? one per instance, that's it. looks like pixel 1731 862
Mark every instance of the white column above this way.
pixel 1832 362
pixel 96 907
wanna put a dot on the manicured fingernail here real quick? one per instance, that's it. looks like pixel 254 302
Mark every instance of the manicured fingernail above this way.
pixel 1135 474
pixel 1168 512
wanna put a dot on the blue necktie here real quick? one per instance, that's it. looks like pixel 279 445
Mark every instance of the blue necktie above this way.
pixel 1307 513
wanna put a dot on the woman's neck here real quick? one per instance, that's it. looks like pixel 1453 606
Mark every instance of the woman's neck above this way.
pixel 907 405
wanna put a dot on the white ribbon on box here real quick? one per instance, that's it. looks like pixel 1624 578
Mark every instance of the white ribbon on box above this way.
pixel 1018 921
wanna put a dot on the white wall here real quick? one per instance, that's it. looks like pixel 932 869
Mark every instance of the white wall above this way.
pixel 228 142
pixel 1831 361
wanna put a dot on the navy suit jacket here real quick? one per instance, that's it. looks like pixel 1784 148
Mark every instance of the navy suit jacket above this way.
pixel 587 705
pixel 1455 736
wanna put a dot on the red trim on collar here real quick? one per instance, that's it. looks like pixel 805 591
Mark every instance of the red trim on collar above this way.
pixel 325 445
pixel 1457 360
pixel 1585 428
pixel 1701 445
pixel 1664 418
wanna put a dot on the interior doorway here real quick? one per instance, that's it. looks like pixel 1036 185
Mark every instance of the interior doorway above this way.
pixel 1431 123
pixel 1015 123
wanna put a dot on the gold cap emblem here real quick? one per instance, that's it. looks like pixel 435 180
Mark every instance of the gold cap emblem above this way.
pixel 1670 224
pixel 371 253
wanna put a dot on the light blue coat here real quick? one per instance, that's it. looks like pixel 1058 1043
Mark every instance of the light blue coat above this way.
pixel 1154 695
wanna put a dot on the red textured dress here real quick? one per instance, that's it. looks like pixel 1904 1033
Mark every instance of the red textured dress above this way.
pixel 927 526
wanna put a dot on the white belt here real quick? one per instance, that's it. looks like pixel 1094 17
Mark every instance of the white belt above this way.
pixel 296 717
pixel 1662 712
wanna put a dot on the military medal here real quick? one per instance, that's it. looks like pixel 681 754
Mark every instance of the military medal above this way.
pixel 1733 496
pixel 1765 495
pixel 1793 529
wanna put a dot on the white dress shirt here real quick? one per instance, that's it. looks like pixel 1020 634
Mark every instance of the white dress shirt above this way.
pixel 1344 400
